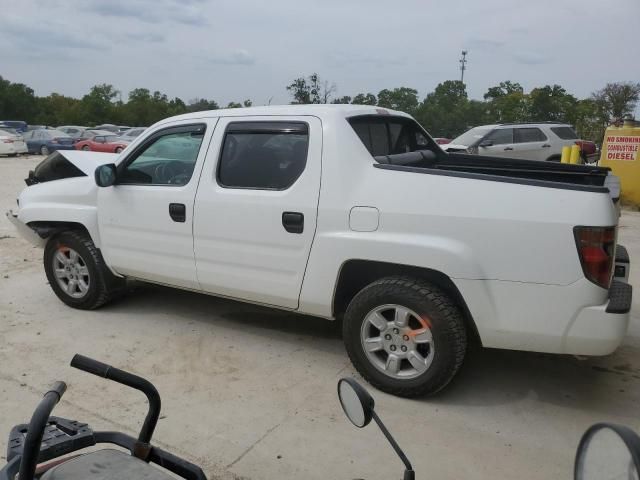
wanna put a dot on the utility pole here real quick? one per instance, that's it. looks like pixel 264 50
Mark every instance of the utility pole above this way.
pixel 463 67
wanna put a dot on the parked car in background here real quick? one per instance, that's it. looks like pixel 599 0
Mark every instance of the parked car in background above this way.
pixel 529 141
pixel 38 127
pixel 102 143
pixel 441 140
pixel 11 143
pixel 131 134
pixel 18 125
pixel 108 127
pixel 123 128
pixel 90 133
pixel 74 131
pixel 45 141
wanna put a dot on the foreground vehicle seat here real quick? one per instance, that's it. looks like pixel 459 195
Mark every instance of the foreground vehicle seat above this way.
pixel 107 464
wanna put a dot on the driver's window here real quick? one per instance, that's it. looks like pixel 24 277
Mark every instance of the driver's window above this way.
pixel 168 159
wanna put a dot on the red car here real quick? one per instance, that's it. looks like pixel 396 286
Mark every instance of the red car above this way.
pixel 442 141
pixel 102 143
pixel 589 151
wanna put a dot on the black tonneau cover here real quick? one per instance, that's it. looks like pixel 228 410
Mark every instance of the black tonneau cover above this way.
pixel 525 172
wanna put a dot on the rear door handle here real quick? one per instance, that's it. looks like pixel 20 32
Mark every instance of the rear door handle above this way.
pixel 508 148
pixel 178 212
pixel 546 145
pixel 293 222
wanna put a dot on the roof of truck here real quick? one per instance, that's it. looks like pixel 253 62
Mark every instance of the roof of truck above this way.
pixel 319 110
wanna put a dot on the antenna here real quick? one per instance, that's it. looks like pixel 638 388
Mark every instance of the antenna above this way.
pixel 463 67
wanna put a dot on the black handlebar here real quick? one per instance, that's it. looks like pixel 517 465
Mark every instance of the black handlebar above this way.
pixel 31 448
pixel 100 369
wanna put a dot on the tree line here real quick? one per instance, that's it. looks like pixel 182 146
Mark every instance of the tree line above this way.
pixel 445 112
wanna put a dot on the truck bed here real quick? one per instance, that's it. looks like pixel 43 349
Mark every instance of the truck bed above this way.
pixel 511 170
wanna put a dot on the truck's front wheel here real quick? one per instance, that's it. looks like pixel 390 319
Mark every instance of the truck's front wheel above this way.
pixel 77 273
pixel 405 336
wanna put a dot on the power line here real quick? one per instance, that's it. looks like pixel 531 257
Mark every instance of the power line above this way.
pixel 463 67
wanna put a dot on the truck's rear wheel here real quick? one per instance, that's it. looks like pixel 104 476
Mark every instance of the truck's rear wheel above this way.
pixel 77 273
pixel 405 336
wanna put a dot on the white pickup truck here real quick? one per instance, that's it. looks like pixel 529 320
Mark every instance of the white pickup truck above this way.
pixel 344 212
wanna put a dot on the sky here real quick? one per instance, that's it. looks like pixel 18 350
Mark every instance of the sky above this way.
pixel 251 49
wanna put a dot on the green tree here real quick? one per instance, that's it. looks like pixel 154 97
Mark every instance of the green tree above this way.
pixel 551 103
pixel 234 105
pixel 98 104
pixel 445 111
pixel 365 99
pixel 311 89
pixel 342 100
pixel 616 100
pixel 403 99
pixel 506 102
pixel 17 101
pixel 58 110
pixel 201 104
pixel 589 119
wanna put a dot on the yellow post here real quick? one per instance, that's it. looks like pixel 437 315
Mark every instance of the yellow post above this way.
pixel 566 153
pixel 575 154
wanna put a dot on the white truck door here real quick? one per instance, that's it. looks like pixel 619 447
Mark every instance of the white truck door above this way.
pixel 530 143
pixel 256 208
pixel 146 218
pixel 501 143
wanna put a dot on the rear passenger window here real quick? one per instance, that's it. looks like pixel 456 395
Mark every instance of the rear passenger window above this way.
pixel 526 135
pixel 501 136
pixel 263 155
pixel 565 133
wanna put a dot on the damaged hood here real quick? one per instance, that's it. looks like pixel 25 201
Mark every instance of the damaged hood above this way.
pixel 68 164
pixel 87 162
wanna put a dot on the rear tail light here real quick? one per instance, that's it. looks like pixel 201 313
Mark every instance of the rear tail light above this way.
pixel 596 247
pixel 7 140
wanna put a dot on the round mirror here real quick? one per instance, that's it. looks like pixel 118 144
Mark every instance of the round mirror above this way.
pixel 356 402
pixel 608 452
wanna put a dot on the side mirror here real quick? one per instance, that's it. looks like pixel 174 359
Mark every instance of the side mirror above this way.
pixel 358 406
pixel 356 402
pixel 485 143
pixel 608 451
pixel 105 175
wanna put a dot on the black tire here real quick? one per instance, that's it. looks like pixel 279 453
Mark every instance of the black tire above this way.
pixel 13 154
pixel 102 285
pixel 44 150
pixel 447 329
pixel 118 149
pixel 86 148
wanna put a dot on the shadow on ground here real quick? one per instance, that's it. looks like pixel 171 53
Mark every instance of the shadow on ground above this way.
pixel 606 385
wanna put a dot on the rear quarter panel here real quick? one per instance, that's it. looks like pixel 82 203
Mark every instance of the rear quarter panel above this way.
pixel 465 228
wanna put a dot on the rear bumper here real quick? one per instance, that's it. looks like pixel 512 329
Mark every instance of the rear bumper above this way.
pixel 600 330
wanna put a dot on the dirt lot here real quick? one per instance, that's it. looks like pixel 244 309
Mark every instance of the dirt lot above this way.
pixel 250 392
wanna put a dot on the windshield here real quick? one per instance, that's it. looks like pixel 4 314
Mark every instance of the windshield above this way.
pixel 471 137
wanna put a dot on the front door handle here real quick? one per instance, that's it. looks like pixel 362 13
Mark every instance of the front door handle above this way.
pixel 178 212
pixel 508 148
pixel 546 145
pixel 293 222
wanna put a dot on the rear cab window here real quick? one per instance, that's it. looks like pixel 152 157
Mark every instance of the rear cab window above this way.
pixel 391 135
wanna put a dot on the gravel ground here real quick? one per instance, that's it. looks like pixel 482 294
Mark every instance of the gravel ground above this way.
pixel 250 392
